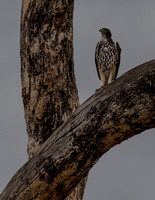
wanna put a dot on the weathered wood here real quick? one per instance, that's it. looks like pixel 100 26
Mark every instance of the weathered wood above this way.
pixel 47 69
pixel 115 113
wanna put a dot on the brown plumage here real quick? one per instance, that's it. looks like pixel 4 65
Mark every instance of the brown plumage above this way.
pixel 107 58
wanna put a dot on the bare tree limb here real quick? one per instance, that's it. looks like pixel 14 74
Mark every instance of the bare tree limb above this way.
pixel 115 113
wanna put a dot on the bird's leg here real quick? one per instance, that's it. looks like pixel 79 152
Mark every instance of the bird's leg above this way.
pixel 102 82
pixel 112 75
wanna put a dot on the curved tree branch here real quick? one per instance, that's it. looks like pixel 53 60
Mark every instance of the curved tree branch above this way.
pixel 113 114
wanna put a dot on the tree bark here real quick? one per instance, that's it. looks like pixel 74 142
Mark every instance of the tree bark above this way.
pixel 47 70
pixel 115 113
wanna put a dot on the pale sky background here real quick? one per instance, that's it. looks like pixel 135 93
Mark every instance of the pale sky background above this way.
pixel 127 170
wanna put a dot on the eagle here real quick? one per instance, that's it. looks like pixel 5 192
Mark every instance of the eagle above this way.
pixel 107 57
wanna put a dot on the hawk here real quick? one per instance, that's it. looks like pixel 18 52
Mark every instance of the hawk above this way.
pixel 107 58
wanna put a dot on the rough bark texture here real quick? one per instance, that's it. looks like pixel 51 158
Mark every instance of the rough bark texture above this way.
pixel 47 69
pixel 115 113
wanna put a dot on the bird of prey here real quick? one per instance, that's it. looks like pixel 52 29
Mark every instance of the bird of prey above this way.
pixel 107 58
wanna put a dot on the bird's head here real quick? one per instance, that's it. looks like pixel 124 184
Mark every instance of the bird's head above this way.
pixel 106 33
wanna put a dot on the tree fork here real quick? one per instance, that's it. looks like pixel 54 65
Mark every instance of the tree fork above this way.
pixel 115 113
pixel 47 70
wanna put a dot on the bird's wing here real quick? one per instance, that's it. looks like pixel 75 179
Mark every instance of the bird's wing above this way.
pixel 98 46
pixel 118 58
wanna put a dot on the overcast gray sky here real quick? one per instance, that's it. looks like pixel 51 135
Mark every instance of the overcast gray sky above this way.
pixel 127 170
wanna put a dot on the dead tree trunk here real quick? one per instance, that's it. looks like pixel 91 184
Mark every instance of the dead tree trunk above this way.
pixel 47 69
pixel 125 108
pixel 117 112
pixel 47 72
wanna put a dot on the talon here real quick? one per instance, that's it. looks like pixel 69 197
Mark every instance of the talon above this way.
pixel 99 88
